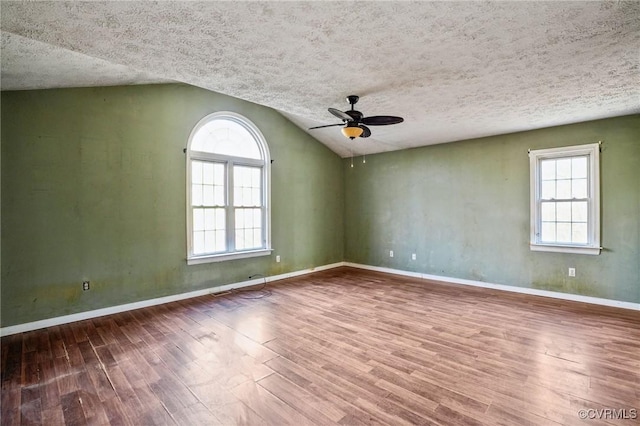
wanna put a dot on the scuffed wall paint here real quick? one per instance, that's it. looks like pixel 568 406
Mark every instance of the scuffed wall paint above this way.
pixel 463 208
pixel 93 188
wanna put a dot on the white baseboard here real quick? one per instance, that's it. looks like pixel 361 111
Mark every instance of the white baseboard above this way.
pixel 50 322
pixel 514 289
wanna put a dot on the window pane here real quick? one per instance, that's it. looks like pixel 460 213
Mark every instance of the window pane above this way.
pixel 196 195
pixel 579 167
pixel 221 241
pixel 563 188
pixel 239 174
pixel 207 195
pixel 207 173
pixel 563 232
pixel 246 196
pixel 241 243
pixel 221 220
pixel 226 137
pixel 563 212
pixel 209 219
pixel 579 211
pixel 247 186
pixel 196 172
pixel 548 212
pixel 198 219
pixel 548 169
pixel 204 176
pixel 218 196
pixel 239 219
pixel 246 178
pixel 549 190
pixel 579 233
pixel 579 188
pixel 256 181
pixel 248 239
pixel 218 173
pixel 198 242
pixel 548 233
pixel 208 224
pixel 248 228
pixel 237 197
pixel 563 168
pixel 205 242
pixel 210 241
pixel 248 218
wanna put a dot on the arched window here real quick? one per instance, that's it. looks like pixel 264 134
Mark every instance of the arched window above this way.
pixel 228 170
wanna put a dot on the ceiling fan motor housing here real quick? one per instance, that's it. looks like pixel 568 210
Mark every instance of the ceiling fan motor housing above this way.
pixel 356 115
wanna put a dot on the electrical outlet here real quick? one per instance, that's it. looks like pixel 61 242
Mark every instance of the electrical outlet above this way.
pixel 390 253
pixel 278 258
pixel 572 272
pixel 413 256
pixel 85 285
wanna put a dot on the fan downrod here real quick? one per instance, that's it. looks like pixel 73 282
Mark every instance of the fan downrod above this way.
pixel 352 99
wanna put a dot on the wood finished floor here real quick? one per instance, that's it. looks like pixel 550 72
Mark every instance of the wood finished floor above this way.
pixel 343 346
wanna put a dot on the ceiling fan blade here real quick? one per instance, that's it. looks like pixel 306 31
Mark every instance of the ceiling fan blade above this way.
pixel 341 115
pixel 366 132
pixel 382 120
pixel 326 125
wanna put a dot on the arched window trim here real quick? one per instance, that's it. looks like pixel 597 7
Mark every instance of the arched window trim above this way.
pixel 265 163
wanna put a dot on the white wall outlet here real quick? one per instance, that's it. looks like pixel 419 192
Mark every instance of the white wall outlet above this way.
pixel 572 272
pixel 85 285
pixel 390 253
pixel 278 258
pixel 413 256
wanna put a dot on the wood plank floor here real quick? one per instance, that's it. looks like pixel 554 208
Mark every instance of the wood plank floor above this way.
pixel 343 346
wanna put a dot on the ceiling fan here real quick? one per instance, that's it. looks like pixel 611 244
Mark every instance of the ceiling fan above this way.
pixel 355 124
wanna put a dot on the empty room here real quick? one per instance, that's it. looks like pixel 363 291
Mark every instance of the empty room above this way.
pixel 320 213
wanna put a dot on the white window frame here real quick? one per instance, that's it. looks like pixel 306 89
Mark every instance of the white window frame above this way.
pixel 592 152
pixel 230 161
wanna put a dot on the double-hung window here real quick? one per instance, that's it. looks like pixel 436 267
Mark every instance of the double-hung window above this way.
pixel 565 199
pixel 227 190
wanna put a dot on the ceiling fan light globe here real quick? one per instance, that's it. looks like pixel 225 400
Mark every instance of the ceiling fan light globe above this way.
pixel 352 132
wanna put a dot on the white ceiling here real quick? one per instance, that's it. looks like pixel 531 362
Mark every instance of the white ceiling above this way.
pixel 453 70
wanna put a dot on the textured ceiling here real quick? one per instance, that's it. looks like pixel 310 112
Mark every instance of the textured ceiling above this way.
pixel 31 64
pixel 453 70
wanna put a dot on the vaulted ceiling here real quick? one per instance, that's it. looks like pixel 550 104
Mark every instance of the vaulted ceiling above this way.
pixel 453 70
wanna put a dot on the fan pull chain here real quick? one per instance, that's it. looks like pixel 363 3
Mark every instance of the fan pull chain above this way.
pixel 364 158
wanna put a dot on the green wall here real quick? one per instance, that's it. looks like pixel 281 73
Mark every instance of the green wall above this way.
pixel 463 208
pixel 93 188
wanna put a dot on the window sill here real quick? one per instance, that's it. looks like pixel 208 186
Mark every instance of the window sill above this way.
pixel 196 260
pixel 566 249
